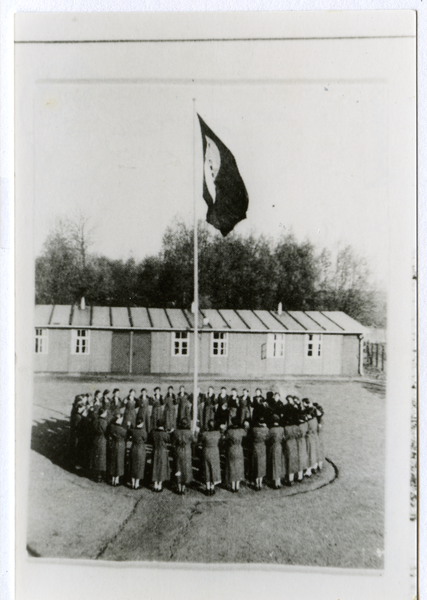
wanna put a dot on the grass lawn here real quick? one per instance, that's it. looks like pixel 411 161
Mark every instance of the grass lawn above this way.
pixel 339 525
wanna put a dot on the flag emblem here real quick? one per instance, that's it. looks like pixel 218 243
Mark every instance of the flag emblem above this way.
pixel 223 188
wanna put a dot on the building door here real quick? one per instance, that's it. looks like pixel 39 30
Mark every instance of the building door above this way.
pixel 120 352
pixel 141 353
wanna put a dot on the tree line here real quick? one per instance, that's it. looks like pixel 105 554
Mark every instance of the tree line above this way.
pixel 236 272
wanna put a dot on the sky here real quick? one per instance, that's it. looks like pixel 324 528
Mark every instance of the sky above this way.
pixel 312 153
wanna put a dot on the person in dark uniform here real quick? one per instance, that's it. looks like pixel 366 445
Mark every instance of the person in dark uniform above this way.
pixel 184 405
pixel 260 435
pixel 233 405
pixel 99 445
pixel 209 408
pixel 161 467
pixel 302 439
pixel 115 405
pixel 157 413
pixel 258 406
pixel 144 410
pixel 170 411
pixel 235 464
pixel 97 401
pixel 75 418
pixel 222 414
pixel 268 411
pixel 117 434
pixel 182 440
pixel 210 440
pixel 222 397
pixel 137 453
pixel 84 438
pixel 275 459
pixel 244 412
pixel 129 417
pixel 312 425
pixel 292 433
pixel 105 404
pixel 320 445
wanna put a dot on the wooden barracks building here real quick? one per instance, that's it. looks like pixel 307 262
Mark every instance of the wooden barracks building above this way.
pixel 233 343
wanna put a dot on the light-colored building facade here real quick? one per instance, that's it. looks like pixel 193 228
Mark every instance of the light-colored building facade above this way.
pixel 232 343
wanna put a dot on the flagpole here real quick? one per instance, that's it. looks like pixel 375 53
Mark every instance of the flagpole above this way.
pixel 196 277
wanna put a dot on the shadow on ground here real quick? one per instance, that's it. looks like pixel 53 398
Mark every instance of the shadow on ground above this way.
pixel 50 438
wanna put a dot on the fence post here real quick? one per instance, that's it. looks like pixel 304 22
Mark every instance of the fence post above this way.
pixel 376 355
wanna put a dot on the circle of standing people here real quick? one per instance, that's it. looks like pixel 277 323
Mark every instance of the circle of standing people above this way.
pixel 259 439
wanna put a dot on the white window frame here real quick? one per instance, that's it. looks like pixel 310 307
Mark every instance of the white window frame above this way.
pixel 42 341
pixel 276 345
pixel 181 342
pixel 80 342
pixel 219 342
pixel 313 345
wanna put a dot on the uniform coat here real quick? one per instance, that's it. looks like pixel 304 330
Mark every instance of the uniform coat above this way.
pixel 182 440
pixel 184 407
pixel 75 419
pixel 302 447
pixel 292 434
pixel 211 462
pixel 234 464
pixel 144 412
pixel 117 435
pixel 320 444
pixel 258 410
pixel 244 412
pixel 312 425
pixel 170 412
pixel 222 415
pixel 222 399
pixel 137 453
pixel 114 410
pixel 209 410
pixel 157 412
pixel 233 407
pixel 84 442
pixel 161 468
pixel 276 462
pixel 99 446
pixel 259 455
pixel 130 414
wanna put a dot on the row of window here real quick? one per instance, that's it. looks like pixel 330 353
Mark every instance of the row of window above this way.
pixel 80 341
pixel 274 348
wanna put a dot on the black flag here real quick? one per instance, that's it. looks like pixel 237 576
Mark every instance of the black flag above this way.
pixel 223 187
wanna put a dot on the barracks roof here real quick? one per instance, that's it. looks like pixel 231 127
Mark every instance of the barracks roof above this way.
pixel 176 319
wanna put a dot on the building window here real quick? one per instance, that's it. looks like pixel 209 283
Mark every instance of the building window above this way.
pixel 80 341
pixel 180 343
pixel 219 344
pixel 41 341
pixel 276 345
pixel 263 351
pixel 314 345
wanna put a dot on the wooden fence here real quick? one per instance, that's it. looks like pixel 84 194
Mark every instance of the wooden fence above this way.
pixel 375 355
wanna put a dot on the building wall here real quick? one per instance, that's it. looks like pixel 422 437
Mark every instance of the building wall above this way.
pixel 120 347
pixel 294 353
pixel 60 359
pixel 332 354
pixel 350 355
pixel 152 353
pixel 141 355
